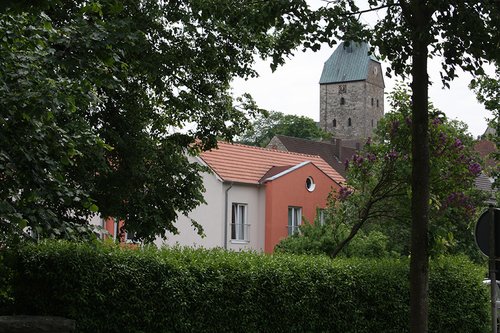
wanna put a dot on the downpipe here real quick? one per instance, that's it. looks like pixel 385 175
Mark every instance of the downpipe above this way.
pixel 226 206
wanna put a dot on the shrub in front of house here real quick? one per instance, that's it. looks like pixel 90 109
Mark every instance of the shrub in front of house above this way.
pixel 110 289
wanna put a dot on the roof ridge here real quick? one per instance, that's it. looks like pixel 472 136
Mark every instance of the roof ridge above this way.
pixel 269 149
pixel 308 140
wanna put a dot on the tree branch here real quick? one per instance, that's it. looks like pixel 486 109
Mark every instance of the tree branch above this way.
pixel 365 10
pixel 387 190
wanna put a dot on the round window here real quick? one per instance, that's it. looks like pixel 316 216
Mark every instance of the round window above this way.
pixel 310 184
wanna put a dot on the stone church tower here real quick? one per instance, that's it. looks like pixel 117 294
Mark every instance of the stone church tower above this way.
pixel 351 92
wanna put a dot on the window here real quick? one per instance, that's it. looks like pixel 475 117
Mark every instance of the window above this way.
pixel 310 184
pixel 372 101
pixel 342 100
pixel 239 225
pixel 342 89
pixel 294 219
pixel 372 122
pixel 377 102
pixel 334 122
pixel 320 216
pixel 349 122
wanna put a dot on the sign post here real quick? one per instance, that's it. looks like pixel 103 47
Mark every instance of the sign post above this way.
pixel 488 240
pixel 493 278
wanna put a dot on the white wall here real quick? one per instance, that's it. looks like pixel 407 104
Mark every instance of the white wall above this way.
pixel 254 197
pixel 211 216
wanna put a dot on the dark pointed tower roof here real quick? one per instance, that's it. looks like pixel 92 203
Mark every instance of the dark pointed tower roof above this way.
pixel 347 63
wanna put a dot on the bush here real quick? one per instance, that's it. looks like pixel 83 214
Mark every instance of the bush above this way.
pixel 6 274
pixel 323 239
pixel 108 289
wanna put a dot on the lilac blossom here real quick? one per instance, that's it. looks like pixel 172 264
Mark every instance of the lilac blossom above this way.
pixel 436 121
pixel 459 199
pixel 392 155
pixel 442 137
pixel 475 168
pixel 371 157
pixel 357 160
pixel 394 127
pixel 458 144
pixel 344 193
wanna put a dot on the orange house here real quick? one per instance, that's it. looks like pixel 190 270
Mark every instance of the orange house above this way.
pixel 297 193
pixel 256 197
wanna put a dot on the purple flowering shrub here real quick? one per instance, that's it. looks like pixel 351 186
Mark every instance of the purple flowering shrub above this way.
pixel 378 190
pixel 374 204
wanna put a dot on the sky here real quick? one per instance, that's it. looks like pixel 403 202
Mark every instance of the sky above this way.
pixel 294 87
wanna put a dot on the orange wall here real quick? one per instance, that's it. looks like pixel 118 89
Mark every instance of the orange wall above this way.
pixel 109 225
pixel 290 190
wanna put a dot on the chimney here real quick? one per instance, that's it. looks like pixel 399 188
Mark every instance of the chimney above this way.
pixel 338 148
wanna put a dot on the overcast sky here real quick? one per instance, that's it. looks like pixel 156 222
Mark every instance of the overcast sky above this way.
pixel 294 87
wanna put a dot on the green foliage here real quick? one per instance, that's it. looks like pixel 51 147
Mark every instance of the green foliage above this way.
pixel 269 124
pixel 94 95
pixel 109 289
pixel 465 35
pixel 374 206
pixel 324 239
pixel 6 275
pixel 41 135
pixel 454 201
pixel 488 92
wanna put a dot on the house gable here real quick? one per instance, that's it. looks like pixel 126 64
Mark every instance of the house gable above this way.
pixel 290 189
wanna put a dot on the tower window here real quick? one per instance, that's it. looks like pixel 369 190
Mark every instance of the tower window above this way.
pixel 377 102
pixel 349 122
pixel 334 122
pixel 342 100
pixel 372 101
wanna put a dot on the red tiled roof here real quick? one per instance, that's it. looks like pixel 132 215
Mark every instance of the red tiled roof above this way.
pixel 325 150
pixel 247 164
pixel 484 148
pixel 275 170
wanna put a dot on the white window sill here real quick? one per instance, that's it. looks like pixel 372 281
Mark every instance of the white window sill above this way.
pixel 238 241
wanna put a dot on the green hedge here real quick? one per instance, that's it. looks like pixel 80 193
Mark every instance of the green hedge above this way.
pixel 108 289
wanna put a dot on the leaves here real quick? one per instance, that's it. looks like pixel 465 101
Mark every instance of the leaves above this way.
pixel 108 288
pixel 95 96
pixel 272 123
pixel 376 197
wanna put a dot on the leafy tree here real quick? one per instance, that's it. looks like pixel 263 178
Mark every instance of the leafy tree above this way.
pixel 464 34
pixel 488 92
pixel 93 94
pixel 374 204
pixel 268 124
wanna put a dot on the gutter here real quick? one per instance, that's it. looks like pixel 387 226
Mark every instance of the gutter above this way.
pixel 226 203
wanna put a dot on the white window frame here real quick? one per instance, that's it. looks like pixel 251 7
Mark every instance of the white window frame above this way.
pixel 321 216
pixel 294 219
pixel 239 222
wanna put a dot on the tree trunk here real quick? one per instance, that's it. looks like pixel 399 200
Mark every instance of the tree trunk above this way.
pixel 419 265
